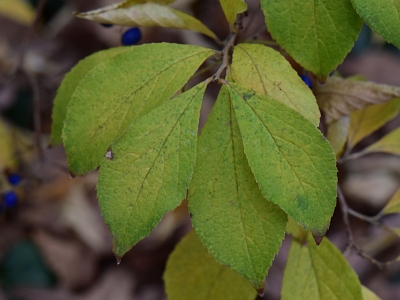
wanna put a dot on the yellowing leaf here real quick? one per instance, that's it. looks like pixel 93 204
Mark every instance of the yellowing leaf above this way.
pixel 364 122
pixel 145 14
pixel 339 97
pixel 338 131
pixel 115 93
pixel 68 86
pixel 292 162
pixel 368 294
pixel 17 10
pixel 6 146
pixel 149 169
pixel 317 34
pixel 390 143
pixel 393 206
pixel 233 7
pixel 239 227
pixel 296 231
pixel 192 273
pixel 319 273
pixel 385 20
pixel 267 72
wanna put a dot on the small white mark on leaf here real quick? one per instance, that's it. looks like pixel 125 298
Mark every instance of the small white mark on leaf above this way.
pixel 109 154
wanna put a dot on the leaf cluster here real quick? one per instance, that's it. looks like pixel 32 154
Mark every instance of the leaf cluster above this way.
pixel 259 160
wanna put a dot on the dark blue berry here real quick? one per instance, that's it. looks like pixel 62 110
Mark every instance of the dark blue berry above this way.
pixel 10 199
pixel 307 80
pixel 14 179
pixel 131 36
pixel 107 25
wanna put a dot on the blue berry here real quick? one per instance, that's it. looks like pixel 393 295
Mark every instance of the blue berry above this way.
pixel 14 179
pixel 131 36
pixel 307 80
pixel 10 199
pixel 107 25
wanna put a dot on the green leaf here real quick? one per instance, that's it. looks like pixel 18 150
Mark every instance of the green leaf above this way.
pixel 393 206
pixel 368 294
pixel 366 121
pixel 385 20
pixel 319 273
pixel 317 34
pixel 6 146
pixel 231 8
pixel 192 273
pixel 340 97
pixel 115 93
pixel 292 162
pixel 338 132
pixel 240 228
pixel 267 72
pixel 390 143
pixel 68 86
pixel 145 14
pixel 148 170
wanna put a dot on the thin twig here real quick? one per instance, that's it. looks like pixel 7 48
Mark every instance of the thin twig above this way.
pixel 352 243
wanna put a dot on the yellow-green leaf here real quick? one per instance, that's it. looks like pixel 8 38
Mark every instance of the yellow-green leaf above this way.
pixel 390 143
pixel 338 131
pixel 68 86
pixel 239 227
pixel 17 10
pixel 393 206
pixel 145 14
pixel 267 72
pixel 296 231
pixel 147 172
pixel 6 146
pixel 382 17
pixel 368 294
pixel 319 273
pixel 366 121
pixel 317 34
pixel 339 97
pixel 192 273
pixel 292 162
pixel 233 7
pixel 115 93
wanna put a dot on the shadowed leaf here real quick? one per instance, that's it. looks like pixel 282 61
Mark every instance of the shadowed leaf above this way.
pixel 192 273
pixel 319 273
pixel 338 131
pixel 366 121
pixel 339 97
pixel 233 7
pixel 138 13
pixel 390 143
pixel 393 206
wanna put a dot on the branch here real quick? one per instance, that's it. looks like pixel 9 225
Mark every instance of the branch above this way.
pixel 228 46
pixel 352 243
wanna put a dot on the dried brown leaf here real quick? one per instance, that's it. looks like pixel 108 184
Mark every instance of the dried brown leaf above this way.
pixel 339 97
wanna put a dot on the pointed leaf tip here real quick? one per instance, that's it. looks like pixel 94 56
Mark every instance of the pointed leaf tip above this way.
pixel 261 291
pixel 118 258
pixel 318 239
